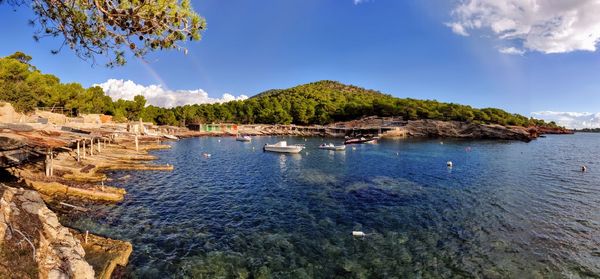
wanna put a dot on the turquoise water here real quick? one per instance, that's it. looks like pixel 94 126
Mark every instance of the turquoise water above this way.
pixel 506 209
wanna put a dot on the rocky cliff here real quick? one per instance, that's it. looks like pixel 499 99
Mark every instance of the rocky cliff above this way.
pixel 456 129
pixel 33 244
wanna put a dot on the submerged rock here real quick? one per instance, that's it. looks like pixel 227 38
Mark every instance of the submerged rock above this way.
pixel 33 244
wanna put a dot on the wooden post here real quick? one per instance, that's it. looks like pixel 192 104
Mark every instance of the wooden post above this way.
pixel 86 236
pixel 91 147
pixel 78 157
pixel 137 147
pixel 51 162
pixel 47 161
pixel 99 149
pixel 84 149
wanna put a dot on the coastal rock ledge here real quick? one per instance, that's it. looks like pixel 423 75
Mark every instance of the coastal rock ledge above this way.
pixel 456 129
pixel 33 244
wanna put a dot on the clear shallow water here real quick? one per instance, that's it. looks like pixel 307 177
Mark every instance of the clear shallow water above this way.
pixel 506 209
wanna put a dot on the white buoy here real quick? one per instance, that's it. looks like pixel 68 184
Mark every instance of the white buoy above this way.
pixel 358 234
pixel 449 164
pixel 397 153
pixel 219 140
pixel 441 142
pixel 353 148
pixel 583 168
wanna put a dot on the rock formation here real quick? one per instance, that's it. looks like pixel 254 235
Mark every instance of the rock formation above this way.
pixel 34 244
pixel 456 129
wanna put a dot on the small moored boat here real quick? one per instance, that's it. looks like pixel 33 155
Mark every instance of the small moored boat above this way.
pixel 283 147
pixel 331 146
pixel 170 137
pixel 243 138
pixel 360 140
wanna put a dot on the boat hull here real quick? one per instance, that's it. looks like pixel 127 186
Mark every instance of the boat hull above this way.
pixel 359 141
pixel 333 148
pixel 281 149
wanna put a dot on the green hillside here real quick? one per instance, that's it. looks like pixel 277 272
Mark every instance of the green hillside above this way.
pixel 325 101
pixel 319 102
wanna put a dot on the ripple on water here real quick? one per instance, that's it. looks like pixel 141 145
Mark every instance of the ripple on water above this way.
pixel 244 213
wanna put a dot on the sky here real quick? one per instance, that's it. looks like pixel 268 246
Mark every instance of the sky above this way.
pixel 534 57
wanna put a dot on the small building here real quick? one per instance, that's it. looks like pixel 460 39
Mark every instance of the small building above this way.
pixel 214 127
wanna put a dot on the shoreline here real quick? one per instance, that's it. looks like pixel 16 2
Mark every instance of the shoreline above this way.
pixel 67 181
pixel 74 171
pixel 375 126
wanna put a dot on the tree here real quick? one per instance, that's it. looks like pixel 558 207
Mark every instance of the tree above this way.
pixel 21 57
pixel 167 118
pixel 108 27
pixel 320 102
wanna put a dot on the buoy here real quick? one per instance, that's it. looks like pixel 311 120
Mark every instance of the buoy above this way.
pixel 358 234
pixel 397 153
pixel 449 164
pixel 441 142
pixel 206 155
pixel 219 140
pixel 583 168
pixel 353 148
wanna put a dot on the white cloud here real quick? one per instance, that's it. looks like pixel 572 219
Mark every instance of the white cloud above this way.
pixel 547 26
pixel 511 50
pixel 457 28
pixel 158 96
pixel 356 2
pixel 573 120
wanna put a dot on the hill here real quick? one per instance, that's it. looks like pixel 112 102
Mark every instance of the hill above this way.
pixel 327 101
pixel 320 102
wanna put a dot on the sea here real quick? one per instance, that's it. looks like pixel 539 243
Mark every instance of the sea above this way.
pixel 505 209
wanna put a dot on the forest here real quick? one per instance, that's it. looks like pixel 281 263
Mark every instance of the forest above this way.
pixel 322 102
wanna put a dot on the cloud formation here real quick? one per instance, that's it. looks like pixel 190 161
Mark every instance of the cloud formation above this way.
pixel 573 120
pixel 511 50
pixel 158 96
pixel 356 2
pixel 547 26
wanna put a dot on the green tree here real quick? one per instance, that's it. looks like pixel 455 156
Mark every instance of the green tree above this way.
pixel 320 102
pixel 21 57
pixel 167 118
pixel 107 27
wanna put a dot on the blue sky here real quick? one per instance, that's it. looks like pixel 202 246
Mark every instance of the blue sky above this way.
pixel 467 52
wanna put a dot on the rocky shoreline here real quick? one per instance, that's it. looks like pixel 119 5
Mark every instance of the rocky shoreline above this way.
pixel 77 177
pixel 33 244
pixel 408 129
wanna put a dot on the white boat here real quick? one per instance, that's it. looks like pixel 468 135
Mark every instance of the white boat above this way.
pixel 283 147
pixel 331 146
pixel 243 138
pixel 171 137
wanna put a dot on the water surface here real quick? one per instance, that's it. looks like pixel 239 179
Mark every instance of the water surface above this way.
pixel 506 209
